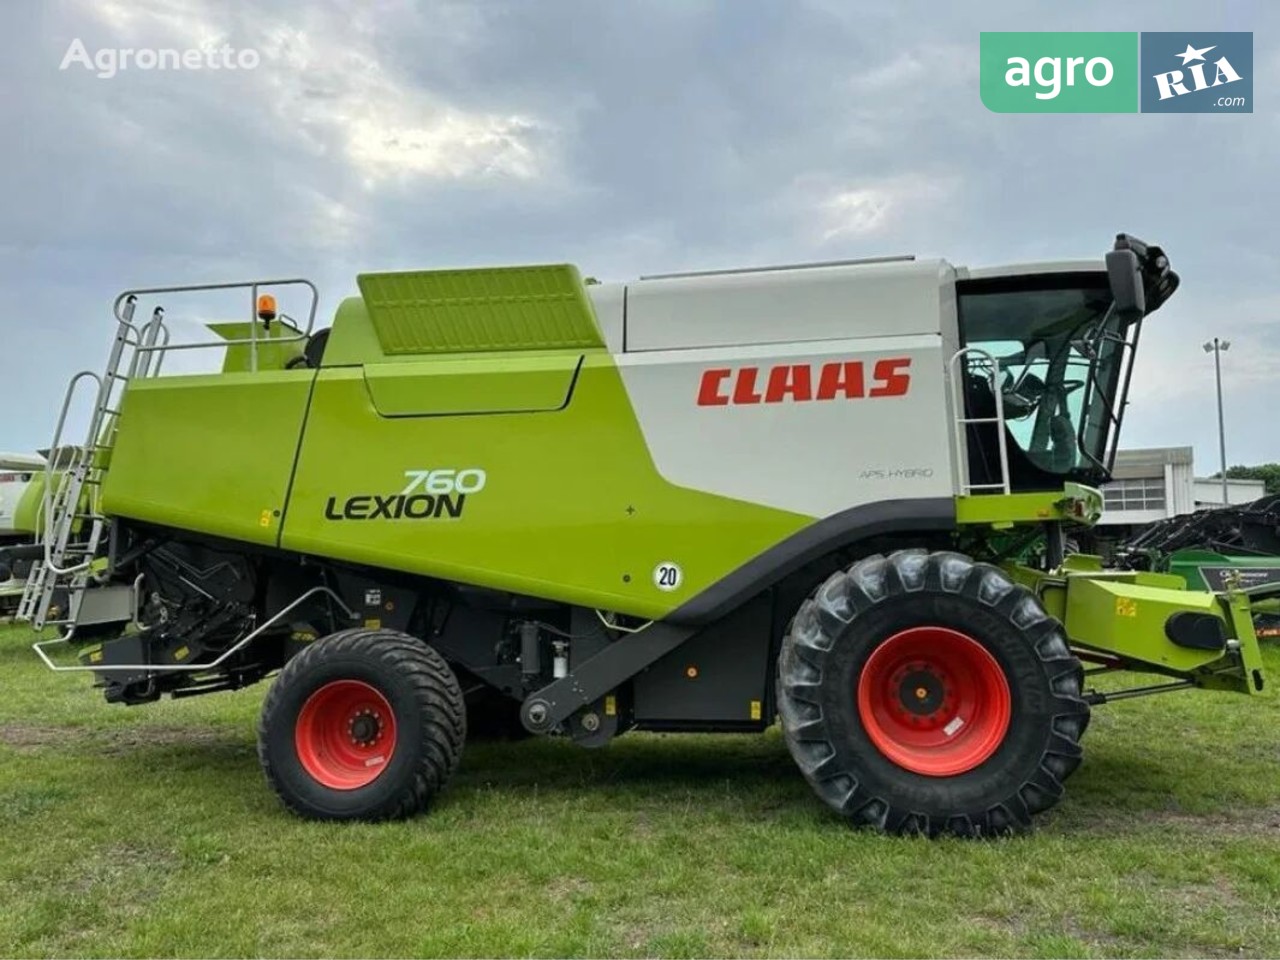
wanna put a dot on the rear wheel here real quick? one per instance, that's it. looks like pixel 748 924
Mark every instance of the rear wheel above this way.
pixel 927 693
pixel 363 724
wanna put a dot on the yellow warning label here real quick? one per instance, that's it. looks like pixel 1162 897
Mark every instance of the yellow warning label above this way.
pixel 95 656
pixel 611 706
pixel 372 624
pixel 181 653
pixel 265 519
pixel 1126 607
pixel 755 710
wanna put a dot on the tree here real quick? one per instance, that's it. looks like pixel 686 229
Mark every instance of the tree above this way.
pixel 1268 473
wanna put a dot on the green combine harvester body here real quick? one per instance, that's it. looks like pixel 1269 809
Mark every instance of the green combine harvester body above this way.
pixel 513 499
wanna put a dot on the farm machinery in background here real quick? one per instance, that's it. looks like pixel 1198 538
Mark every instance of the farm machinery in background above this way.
pixel 1234 547
pixel 22 477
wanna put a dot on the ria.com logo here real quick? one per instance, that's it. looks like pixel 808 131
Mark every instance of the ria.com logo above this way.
pixel 1117 72
pixel 1197 73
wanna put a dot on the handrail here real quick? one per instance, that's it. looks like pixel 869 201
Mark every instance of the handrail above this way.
pixel 958 373
pixel 55 541
pixel 252 340
pixel 236 647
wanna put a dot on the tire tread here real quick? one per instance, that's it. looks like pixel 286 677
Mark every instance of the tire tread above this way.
pixel 435 688
pixel 835 604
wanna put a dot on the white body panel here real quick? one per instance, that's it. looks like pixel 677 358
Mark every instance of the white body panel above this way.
pixel 788 306
pixel 815 457
pixel 1030 269
pixel 810 454
pixel 609 301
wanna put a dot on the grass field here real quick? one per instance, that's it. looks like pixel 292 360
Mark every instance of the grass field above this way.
pixel 148 831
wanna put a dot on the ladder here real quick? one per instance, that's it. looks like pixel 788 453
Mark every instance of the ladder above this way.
pixel 978 361
pixel 73 523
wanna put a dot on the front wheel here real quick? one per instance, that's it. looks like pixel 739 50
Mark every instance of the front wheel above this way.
pixel 926 693
pixel 362 725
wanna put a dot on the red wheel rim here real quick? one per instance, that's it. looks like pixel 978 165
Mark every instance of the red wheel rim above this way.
pixel 934 701
pixel 345 734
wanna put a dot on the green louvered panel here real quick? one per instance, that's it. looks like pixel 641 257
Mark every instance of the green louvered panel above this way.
pixel 473 311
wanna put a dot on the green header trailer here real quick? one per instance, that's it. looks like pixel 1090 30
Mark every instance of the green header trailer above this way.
pixel 716 501
pixel 1220 549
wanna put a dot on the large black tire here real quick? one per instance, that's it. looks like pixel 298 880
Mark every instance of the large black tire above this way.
pixel 326 688
pixel 927 599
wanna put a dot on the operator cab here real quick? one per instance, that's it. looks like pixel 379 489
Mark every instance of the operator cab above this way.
pixel 1058 345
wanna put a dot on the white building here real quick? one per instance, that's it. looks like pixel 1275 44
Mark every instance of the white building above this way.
pixel 1208 491
pixel 1160 482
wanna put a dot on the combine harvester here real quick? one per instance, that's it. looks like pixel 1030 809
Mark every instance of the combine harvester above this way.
pixel 695 502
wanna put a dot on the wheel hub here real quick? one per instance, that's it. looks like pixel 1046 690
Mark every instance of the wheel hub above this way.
pixel 922 691
pixel 365 727
pixel 345 734
pixel 934 701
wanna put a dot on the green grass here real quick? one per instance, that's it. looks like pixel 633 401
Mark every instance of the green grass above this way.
pixel 148 831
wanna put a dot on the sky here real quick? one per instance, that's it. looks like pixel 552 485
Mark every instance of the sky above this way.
pixel 629 138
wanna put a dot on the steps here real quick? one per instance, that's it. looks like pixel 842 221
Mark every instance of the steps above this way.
pixel 73 523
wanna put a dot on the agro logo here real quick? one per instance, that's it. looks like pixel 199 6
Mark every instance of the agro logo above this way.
pixel 430 495
pixel 1057 72
pixel 800 382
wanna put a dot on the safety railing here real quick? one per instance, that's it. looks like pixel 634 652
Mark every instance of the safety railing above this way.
pixel 960 370
pixel 122 307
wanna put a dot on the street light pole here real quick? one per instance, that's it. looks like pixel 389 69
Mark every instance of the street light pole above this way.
pixel 1217 348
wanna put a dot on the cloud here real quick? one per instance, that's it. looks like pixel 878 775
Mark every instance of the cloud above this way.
pixel 632 136
pixel 146 21
pixel 331 82
pixel 872 207
pixel 858 211
pixel 331 85
pixel 451 145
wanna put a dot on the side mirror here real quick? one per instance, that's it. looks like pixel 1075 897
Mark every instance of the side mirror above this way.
pixel 1124 273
